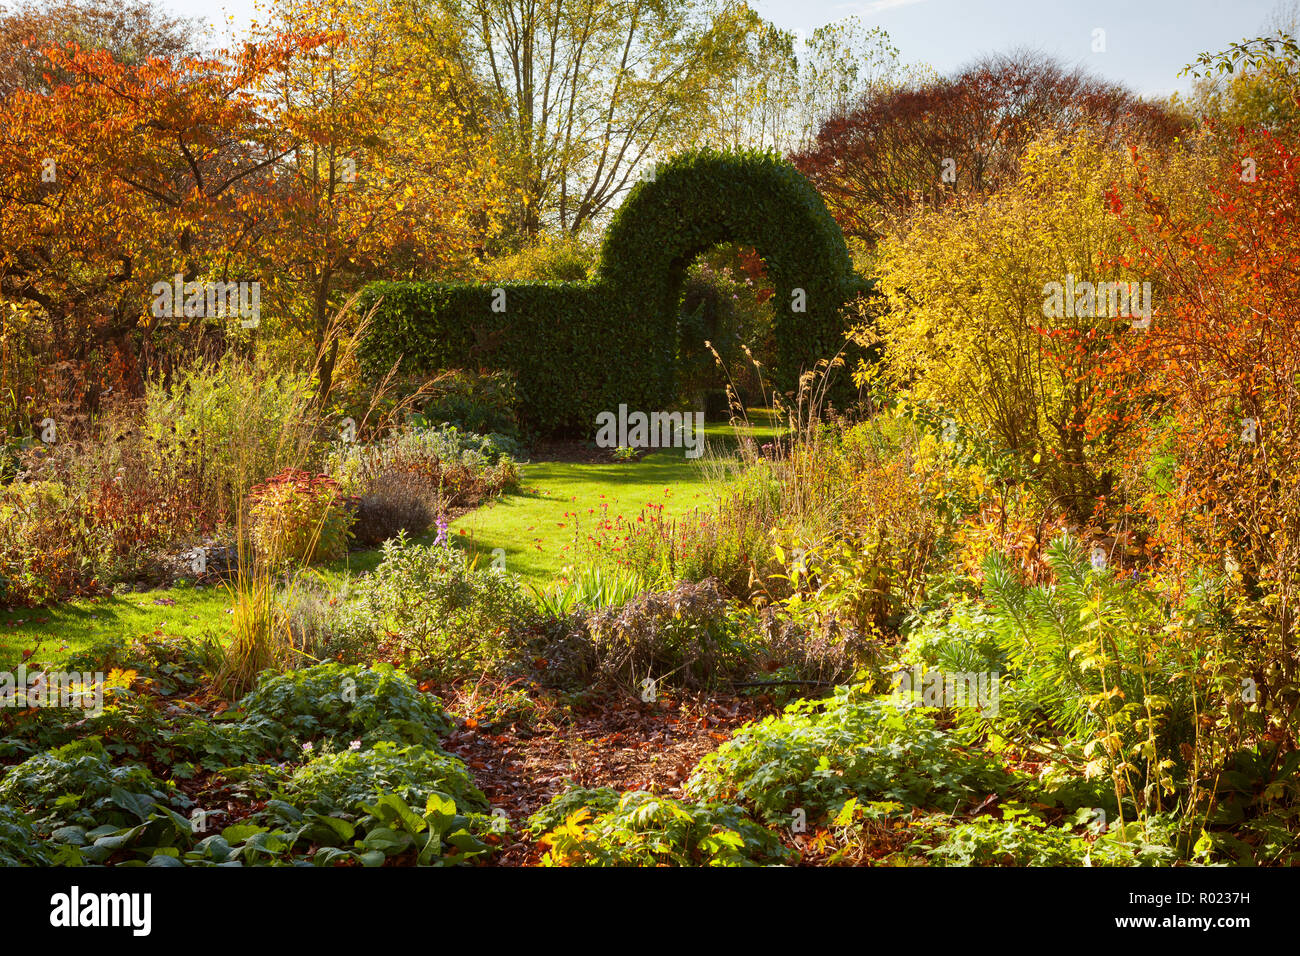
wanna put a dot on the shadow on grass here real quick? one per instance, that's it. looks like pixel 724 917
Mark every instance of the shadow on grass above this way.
pixel 192 612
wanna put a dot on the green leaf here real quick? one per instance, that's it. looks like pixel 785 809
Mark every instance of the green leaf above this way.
pixel 343 828
pixel 138 804
pixel 386 841
pixel 330 855
pixel 241 832
pixel 73 835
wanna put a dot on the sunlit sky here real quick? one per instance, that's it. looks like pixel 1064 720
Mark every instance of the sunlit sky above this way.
pixel 1147 41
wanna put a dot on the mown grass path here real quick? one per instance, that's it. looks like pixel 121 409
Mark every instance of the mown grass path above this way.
pixel 541 527
pixel 538 527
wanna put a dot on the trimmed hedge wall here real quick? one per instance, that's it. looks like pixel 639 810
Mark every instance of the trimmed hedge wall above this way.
pixel 579 348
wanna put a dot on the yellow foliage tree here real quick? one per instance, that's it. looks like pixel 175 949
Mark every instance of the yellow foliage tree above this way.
pixel 386 175
pixel 999 312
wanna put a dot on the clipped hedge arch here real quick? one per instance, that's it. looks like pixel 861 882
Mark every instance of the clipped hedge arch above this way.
pixel 578 348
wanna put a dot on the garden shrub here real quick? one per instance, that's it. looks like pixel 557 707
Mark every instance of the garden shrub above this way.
pixel 685 635
pixel 95 508
pixel 1211 392
pixel 958 636
pixel 39 532
pixel 562 258
pixel 646 829
pixel 229 425
pixel 299 518
pixel 77 785
pixel 471 401
pixel 340 782
pixel 423 447
pixel 437 604
pixel 857 527
pixel 966 325
pixel 392 502
pixel 1085 656
pixel 560 646
pixel 688 634
pixel 883 475
pixel 788 650
pixel 409 477
pixel 560 339
pixel 484 450
pixel 341 703
pixel 818 754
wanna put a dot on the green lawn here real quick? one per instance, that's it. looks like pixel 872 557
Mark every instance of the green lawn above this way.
pixel 537 526
pixel 176 612
pixel 186 611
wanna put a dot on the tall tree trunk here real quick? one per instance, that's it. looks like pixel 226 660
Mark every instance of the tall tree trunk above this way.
pixel 326 353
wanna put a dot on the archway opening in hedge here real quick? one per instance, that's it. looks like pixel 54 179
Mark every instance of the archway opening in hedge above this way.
pixel 701 200
pixel 725 337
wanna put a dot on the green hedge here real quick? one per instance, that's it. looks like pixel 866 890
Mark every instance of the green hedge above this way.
pixel 579 348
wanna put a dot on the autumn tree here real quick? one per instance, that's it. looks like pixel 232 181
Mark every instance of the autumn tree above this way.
pixel 785 85
pixel 1001 314
pixel 384 173
pixel 1255 82
pixel 963 135
pixel 584 93
pixel 131 31
pixel 122 177
pixel 1212 389
pixel 277 164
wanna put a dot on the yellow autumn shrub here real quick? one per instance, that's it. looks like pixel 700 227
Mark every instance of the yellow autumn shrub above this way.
pixel 986 314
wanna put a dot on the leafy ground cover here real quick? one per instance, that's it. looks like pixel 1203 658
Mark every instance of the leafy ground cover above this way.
pixel 301 771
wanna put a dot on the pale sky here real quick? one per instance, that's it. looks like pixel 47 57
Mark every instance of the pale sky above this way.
pixel 1147 41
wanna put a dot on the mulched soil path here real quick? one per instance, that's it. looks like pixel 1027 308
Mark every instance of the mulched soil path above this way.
pixel 615 741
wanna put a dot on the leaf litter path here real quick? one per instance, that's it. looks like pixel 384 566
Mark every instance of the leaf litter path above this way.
pixel 611 741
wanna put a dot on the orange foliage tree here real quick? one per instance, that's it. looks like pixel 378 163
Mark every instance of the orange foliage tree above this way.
pixel 328 152
pixel 385 176
pixel 1211 389
pixel 124 176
